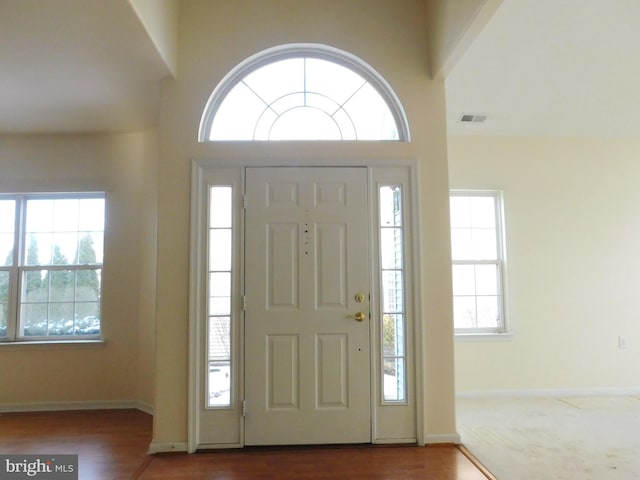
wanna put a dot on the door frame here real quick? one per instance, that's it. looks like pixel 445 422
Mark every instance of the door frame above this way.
pixel 390 423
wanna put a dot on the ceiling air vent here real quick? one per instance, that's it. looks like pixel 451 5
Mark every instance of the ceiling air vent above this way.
pixel 472 118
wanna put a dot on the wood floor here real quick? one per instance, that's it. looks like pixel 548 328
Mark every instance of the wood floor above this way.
pixel 112 445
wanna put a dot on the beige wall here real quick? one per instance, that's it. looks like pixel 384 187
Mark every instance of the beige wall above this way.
pixel 573 231
pixel 214 38
pixel 47 375
pixel 148 244
pixel 452 26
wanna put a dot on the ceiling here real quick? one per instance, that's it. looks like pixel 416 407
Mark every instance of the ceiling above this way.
pixel 539 67
pixel 76 66
pixel 551 67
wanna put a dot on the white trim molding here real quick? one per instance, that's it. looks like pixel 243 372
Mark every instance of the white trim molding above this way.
pixel 552 393
pixel 443 439
pixel 390 422
pixel 167 447
pixel 76 405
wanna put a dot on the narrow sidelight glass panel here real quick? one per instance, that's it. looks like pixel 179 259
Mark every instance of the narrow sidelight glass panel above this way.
pixel 219 297
pixel 4 302
pixel 392 277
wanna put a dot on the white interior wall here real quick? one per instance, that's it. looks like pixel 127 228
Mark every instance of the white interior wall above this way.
pixel 573 273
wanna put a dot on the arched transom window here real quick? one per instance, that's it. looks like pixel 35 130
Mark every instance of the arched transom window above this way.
pixel 303 92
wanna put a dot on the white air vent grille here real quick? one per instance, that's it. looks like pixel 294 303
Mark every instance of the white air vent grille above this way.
pixel 473 118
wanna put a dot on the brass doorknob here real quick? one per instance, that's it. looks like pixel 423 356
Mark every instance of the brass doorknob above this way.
pixel 359 316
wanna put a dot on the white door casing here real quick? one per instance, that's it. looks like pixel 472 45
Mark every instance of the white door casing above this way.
pixel 307 281
pixel 224 426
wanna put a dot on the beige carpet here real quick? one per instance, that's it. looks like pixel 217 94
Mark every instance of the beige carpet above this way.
pixel 572 438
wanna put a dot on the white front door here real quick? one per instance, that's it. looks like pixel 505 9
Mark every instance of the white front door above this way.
pixel 307 329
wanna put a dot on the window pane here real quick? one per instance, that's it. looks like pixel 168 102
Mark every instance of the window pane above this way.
pixel 231 120
pixel 393 335
pixel 34 319
pixel 464 280
pixel 4 302
pixel 38 249
pixel 39 216
pixel 483 212
pixel 392 291
pixel 7 226
pixel 35 286
pixel 220 207
pixel 220 284
pixel 87 318
pixel 460 212
pixel 61 285
pixel 484 244
pixel 486 280
pixel 394 380
pixel 342 82
pixel 390 206
pixel 487 312
pixel 60 319
pixel 371 115
pixel 220 249
pixel 88 285
pixel 219 355
pixel 277 79
pixel 57 239
pixel 91 215
pixel 6 249
pixel 65 214
pixel 219 305
pixel 391 248
pixel 219 384
pixel 91 248
pixel 65 246
pixel 464 312
pixel 461 244
pixel 305 123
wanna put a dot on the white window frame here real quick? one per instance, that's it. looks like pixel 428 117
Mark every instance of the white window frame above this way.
pixel 500 262
pixel 19 267
pixel 303 50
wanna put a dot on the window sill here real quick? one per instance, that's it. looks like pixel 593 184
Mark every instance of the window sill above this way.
pixel 53 343
pixel 483 337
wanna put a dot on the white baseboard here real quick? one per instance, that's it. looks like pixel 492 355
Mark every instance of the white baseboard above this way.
pixel 64 406
pixel 569 392
pixel 167 447
pixel 446 438
pixel 145 407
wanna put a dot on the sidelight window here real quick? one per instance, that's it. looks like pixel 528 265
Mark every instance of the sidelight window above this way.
pixel 392 274
pixel 219 296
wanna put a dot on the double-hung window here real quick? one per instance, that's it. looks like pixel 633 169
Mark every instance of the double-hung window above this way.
pixel 51 253
pixel 477 249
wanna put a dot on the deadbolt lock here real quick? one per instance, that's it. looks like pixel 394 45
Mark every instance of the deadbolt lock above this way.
pixel 359 297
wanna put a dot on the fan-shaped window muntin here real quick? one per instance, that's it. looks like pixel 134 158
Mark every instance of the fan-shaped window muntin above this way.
pixel 303 95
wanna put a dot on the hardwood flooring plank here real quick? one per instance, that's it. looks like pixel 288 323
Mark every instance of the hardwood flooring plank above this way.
pixel 112 445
